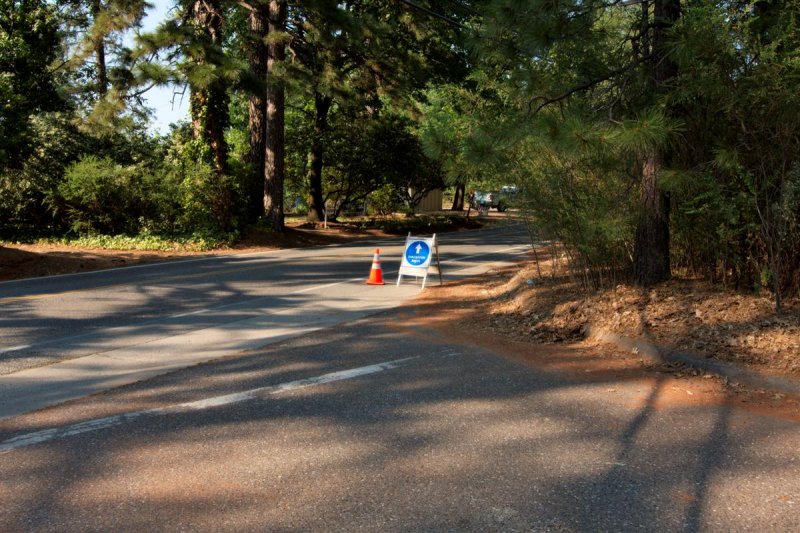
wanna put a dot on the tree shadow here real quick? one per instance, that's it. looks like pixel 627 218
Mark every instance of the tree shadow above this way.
pixel 457 440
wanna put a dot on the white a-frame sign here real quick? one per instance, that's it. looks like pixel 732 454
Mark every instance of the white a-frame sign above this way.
pixel 418 255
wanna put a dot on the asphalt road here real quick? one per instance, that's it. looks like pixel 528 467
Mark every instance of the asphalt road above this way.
pixel 382 424
pixel 357 415
pixel 65 337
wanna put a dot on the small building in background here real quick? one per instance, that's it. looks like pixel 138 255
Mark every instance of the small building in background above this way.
pixel 431 202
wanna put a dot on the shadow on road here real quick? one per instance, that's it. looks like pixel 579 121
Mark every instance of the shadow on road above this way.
pixel 459 439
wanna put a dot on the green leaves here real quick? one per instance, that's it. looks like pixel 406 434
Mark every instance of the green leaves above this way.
pixel 650 131
pixel 29 43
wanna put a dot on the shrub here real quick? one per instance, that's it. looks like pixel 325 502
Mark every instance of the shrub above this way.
pixel 383 201
pixel 101 196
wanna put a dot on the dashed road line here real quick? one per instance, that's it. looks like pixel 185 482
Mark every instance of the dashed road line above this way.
pixel 47 435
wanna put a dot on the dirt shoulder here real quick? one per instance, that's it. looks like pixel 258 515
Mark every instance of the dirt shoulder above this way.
pixel 688 316
pixel 481 311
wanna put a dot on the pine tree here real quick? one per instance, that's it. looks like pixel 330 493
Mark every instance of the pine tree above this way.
pixel 208 101
pixel 190 49
pixel 651 260
pixel 257 14
pixel 102 64
pixel 359 55
pixel 274 166
pixel 607 62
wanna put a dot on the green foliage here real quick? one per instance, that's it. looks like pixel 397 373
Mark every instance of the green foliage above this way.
pixel 577 190
pixel 101 196
pixel 383 201
pixel 179 195
pixel 202 196
pixel 739 86
pixel 195 196
pixel 100 64
pixel 195 242
pixel 29 43
pixel 568 104
pixel 30 196
pixel 446 129
pixel 377 153
pixel 24 191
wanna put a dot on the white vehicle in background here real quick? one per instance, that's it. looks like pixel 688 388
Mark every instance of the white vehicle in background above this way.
pixel 499 200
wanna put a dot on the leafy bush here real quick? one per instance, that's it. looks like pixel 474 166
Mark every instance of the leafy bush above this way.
pixel 101 196
pixel 197 242
pixel 26 192
pixel 577 191
pixel 205 198
pixel 201 198
pixel 383 201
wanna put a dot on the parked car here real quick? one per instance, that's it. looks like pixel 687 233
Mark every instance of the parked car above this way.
pixel 486 200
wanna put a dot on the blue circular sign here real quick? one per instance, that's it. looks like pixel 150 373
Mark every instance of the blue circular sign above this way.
pixel 418 253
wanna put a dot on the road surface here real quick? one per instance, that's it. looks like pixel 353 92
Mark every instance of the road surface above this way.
pixel 377 423
pixel 383 424
pixel 65 337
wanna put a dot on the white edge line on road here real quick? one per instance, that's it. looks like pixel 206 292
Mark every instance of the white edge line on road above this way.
pixel 16 348
pixel 46 435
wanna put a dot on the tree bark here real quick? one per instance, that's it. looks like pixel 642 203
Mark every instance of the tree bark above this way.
pixel 651 251
pixel 651 257
pixel 322 105
pixel 458 198
pixel 257 22
pixel 274 160
pixel 99 47
pixel 209 105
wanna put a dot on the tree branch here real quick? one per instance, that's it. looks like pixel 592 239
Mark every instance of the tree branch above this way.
pixel 581 87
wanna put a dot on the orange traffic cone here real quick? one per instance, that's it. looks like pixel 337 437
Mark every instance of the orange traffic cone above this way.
pixel 376 274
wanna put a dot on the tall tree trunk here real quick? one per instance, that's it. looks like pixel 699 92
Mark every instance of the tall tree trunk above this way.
pixel 458 198
pixel 99 49
pixel 651 259
pixel 257 22
pixel 274 160
pixel 322 105
pixel 208 105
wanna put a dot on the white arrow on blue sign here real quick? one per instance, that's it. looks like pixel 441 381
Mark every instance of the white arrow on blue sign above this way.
pixel 417 258
pixel 418 253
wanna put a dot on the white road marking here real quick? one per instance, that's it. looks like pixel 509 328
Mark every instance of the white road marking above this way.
pixel 38 437
pixel 16 348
